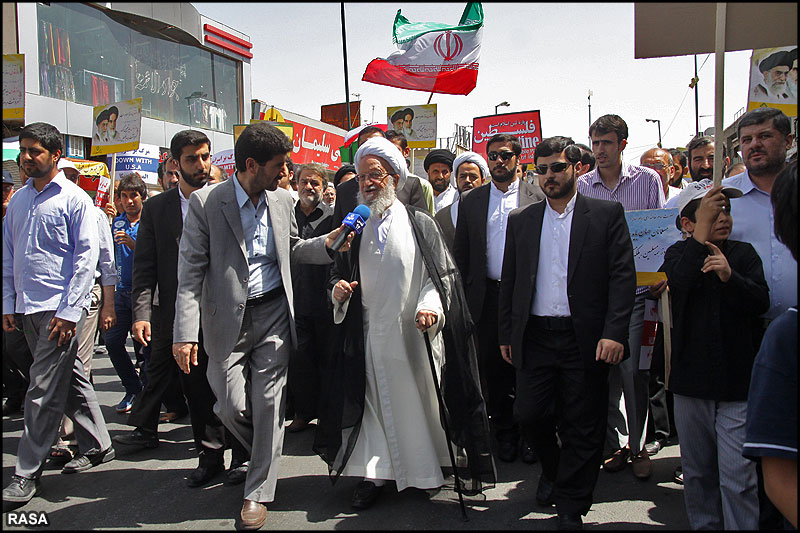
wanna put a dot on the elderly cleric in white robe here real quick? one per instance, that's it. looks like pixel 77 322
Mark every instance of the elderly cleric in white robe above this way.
pixel 400 436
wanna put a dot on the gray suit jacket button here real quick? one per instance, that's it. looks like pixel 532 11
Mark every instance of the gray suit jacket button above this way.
pixel 241 306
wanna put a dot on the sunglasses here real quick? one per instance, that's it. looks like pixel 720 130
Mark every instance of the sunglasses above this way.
pixel 656 166
pixel 505 155
pixel 555 167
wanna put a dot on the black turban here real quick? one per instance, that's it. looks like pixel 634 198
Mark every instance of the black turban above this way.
pixel 439 156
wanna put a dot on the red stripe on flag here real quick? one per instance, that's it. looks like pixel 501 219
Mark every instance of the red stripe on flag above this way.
pixel 460 81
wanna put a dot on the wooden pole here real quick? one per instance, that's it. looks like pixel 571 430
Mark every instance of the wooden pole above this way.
pixel 719 85
pixel 111 186
pixel 666 322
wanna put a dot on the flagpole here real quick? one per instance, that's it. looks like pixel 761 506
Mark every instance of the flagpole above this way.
pixel 429 98
pixel 346 82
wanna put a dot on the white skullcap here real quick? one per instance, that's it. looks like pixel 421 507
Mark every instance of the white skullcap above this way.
pixel 386 150
pixel 470 157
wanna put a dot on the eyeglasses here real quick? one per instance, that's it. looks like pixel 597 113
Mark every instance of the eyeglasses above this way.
pixel 655 166
pixel 505 155
pixel 555 167
pixel 374 177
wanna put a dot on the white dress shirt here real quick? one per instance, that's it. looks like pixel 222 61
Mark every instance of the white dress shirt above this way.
pixel 500 205
pixel 445 198
pixel 381 227
pixel 551 278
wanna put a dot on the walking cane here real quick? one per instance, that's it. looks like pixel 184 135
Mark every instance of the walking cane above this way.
pixel 446 428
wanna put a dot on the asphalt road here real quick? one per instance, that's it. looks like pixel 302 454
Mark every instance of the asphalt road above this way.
pixel 146 490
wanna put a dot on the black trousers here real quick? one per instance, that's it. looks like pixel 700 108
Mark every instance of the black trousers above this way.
pixel 555 390
pixel 17 359
pixel 498 378
pixel 307 364
pixel 210 436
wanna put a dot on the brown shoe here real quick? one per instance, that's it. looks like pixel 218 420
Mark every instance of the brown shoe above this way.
pixel 641 465
pixel 253 515
pixel 617 461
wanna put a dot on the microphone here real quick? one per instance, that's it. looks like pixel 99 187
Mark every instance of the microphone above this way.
pixel 354 221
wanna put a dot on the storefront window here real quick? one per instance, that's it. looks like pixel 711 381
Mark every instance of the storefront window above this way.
pixel 89 58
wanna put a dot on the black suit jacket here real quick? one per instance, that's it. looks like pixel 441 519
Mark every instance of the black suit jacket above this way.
pixel 469 247
pixel 155 259
pixel 347 198
pixel 601 276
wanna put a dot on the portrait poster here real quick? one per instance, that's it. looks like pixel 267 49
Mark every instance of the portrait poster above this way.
pixel 416 122
pixel 116 127
pixel 773 79
pixel 525 125
pixel 13 86
pixel 652 232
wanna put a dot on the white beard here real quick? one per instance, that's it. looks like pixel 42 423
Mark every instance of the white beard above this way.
pixel 382 202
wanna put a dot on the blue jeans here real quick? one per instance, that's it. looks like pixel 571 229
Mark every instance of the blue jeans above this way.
pixel 115 339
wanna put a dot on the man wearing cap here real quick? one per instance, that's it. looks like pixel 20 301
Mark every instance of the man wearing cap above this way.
pixel 718 289
pixel 470 171
pixel 774 70
pixel 478 250
pixel 386 294
pixel 439 165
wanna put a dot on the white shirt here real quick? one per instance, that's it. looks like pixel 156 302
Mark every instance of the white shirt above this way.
pixel 445 198
pixel 500 205
pixel 551 278
pixel 381 227
pixel 184 203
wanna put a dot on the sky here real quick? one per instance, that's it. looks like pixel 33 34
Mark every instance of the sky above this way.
pixel 534 56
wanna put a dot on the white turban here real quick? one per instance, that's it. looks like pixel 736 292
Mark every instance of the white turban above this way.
pixel 470 157
pixel 386 150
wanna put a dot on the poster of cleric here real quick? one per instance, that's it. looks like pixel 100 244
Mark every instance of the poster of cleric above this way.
pixel 116 127
pixel 773 79
pixel 416 122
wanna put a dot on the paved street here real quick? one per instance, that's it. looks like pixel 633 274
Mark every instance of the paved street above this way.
pixel 146 490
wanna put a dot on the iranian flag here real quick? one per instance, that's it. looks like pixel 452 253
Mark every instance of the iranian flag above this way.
pixel 433 57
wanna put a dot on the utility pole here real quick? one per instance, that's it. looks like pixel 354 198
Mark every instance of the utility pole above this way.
pixel 693 85
pixel 590 113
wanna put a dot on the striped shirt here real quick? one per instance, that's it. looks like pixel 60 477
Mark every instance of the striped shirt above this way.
pixel 638 188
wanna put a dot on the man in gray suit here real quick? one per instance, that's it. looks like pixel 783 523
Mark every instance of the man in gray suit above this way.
pixel 238 240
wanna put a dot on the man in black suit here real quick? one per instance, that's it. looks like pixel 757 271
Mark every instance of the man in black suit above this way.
pixel 478 251
pixel 155 286
pixel 346 193
pixel 566 299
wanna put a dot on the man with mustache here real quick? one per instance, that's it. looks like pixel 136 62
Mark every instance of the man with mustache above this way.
pixel 765 136
pixel 439 165
pixel 478 250
pixel 700 157
pixel 381 420
pixel 565 304
pixel 470 171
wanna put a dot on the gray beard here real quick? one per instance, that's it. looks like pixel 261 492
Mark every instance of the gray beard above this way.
pixel 381 202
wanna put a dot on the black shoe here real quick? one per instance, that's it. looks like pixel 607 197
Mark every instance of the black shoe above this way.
pixel 544 492
pixel 654 447
pixel 366 495
pixel 203 474
pixel 137 437
pixel 236 474
pixel 528 455
pixel 20 490
pixel 507 451
pixel 677 475
pixel 87 461
pixel 11 407
pixel 569 521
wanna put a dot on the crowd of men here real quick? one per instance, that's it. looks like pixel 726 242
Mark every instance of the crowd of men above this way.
pixel 488 311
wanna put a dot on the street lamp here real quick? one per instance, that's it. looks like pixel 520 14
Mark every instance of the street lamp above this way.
pixel 659 128
pixel 501 104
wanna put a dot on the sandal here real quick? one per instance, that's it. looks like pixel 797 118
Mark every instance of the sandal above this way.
pixel 62 452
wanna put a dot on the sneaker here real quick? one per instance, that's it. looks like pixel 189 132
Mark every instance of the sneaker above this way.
pixel 87 461
pixel 126 404
pixel 20 490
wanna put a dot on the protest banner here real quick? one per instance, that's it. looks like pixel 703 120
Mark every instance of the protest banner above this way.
pixel 524 125
pixel 116 127
pixel 225 160
pixel 13 86
pixel 144 161
pixel 93 178
pixel 773 79
pixel 314 145
pixel 652 232
pixel 416 122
